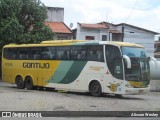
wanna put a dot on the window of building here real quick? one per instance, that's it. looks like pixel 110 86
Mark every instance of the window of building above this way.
pixel 90 38
pixel 104 37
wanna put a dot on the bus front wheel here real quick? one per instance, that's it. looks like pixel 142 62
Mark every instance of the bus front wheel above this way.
pixel 29 83
pixel 19 82
pixel 96 89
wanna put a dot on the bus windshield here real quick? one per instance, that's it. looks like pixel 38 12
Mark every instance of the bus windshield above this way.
pixel 133 52
pixel 139 70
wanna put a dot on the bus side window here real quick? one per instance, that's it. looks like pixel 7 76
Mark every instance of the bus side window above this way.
pixel 100 56
pixel 63 53
pixel 23 57
pixel 45 56
pixel 95 53
pixel 14 56
pixel 36 57
pixel 51 52
pixel 10 53
pixel 23 54
pixel 93 56
pixel 82 55
pixel 114 61
pixel 35 54
pixel 74 55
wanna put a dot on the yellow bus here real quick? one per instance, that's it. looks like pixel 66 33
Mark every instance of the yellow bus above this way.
pixel 77 65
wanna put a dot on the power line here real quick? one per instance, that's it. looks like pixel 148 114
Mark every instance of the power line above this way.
pixel 131 12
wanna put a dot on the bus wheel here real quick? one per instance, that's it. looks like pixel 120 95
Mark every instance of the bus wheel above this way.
pixel 118 95
pixel 96 89
pixel 29 83
pixel 19 82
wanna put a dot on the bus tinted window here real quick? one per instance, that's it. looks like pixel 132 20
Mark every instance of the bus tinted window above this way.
pixel 10 53
pixel 34 53
pixel 79 53
pixel 48 53
pixel 23 53
pixel 114 61
pixel 95 53
pixel 63 53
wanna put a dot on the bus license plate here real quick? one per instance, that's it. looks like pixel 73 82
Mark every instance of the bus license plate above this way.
pixel 140 91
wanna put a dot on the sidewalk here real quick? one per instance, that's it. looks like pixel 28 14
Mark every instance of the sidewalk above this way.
pixel 5 84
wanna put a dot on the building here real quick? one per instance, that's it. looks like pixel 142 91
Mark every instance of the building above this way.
pixel 61 30
pixel 134 34
pixel 55 14
pixel 97 31
pixel 117 32
pixel 55 21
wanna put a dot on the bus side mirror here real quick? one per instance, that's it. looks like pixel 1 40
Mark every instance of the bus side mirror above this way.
pixel 154 60
pixel 127 60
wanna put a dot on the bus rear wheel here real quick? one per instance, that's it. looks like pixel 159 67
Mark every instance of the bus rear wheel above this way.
pixel 96 89
pixel 19 82
pixel 29 83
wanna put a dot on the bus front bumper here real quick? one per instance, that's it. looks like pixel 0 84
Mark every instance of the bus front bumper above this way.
pixel 134 91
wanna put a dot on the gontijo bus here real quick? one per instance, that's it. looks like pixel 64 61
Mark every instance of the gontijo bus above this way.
pixel 78 65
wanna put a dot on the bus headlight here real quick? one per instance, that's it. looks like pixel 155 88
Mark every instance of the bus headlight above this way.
pixel 129 86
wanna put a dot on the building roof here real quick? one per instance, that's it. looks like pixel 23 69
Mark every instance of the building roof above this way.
pixel 125 24
pixel 94 26
pixel 58 27
pixel 115 31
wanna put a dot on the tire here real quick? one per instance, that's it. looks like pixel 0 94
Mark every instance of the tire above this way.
pixel 29 83
pixel 96 89
pixel 19 82
pixel 118 95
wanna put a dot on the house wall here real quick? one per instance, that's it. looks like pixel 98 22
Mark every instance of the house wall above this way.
pixel 55 14
pixel 138 36
pixel 116 37
pixel 131 34
pixel 141 37
pixel 61 36
pixel 97 33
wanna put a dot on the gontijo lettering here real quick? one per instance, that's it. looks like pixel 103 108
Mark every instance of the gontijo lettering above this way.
pixel 36 65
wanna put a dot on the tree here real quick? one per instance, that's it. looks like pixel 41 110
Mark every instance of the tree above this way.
pixel 22 21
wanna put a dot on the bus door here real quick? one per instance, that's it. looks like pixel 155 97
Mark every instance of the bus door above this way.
pixel 115 67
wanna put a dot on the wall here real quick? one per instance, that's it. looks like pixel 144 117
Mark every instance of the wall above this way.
pixel 55 14
pixel 139 36
pixel 97 33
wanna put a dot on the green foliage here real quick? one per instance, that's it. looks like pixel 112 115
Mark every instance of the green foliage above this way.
pixel 21 21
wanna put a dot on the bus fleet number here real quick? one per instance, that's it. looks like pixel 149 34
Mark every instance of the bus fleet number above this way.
pixel 8 64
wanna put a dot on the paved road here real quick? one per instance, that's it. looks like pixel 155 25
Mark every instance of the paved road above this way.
pixel 13 99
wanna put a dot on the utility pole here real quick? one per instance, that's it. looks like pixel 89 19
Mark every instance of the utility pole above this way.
pixel 123 27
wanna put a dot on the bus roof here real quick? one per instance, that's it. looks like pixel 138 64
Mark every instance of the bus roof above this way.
pixel 122 44
pixel 74 42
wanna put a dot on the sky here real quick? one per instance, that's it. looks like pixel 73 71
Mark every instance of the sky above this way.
pixel 141 13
